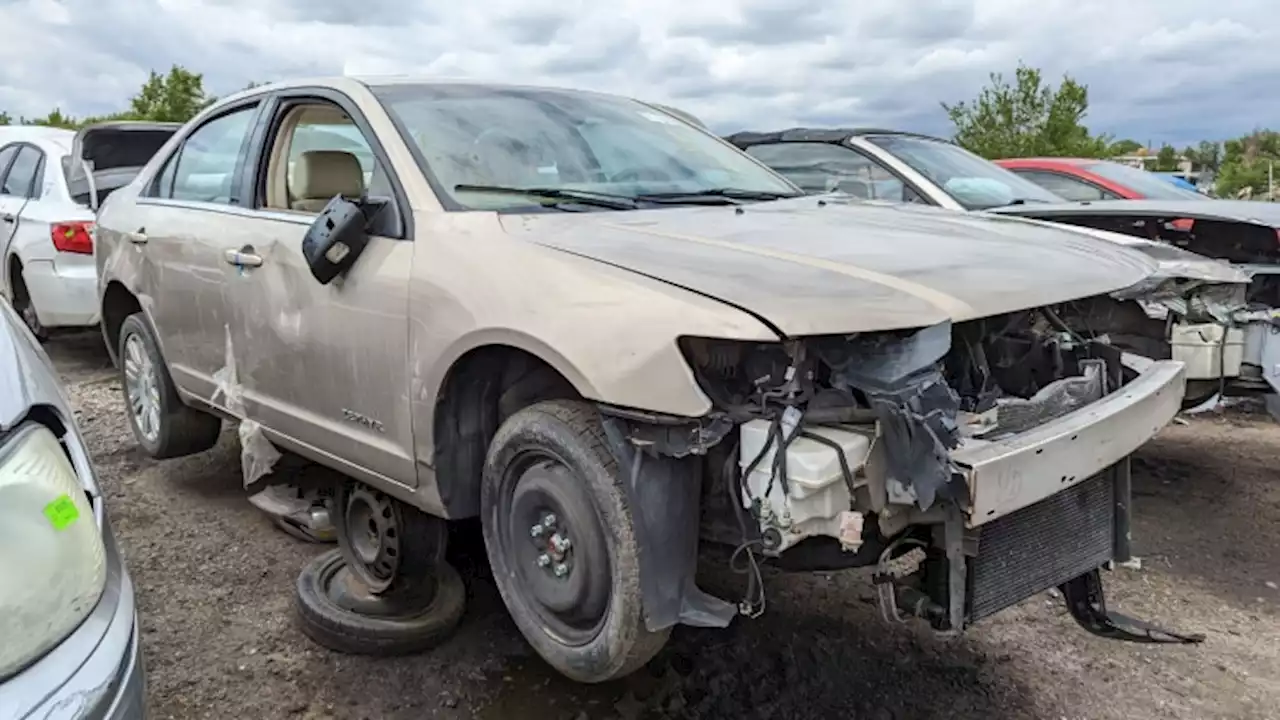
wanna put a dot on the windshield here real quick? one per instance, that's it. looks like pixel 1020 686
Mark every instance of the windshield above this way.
pixel 1147 184
pixel 562 140
pixel 975 183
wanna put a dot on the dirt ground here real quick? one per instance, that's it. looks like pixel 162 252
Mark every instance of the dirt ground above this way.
pixel 215 586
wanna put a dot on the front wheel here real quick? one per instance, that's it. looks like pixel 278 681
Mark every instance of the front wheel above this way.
pixel 561 540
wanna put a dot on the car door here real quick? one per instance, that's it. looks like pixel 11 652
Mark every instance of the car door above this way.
pixel 185 216
pixel 14 189
pixel 325 365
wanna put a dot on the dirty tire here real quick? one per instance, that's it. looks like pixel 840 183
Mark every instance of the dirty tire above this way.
pixel 572 432
pixel 25 309
pixel 340 629
pixel 183 429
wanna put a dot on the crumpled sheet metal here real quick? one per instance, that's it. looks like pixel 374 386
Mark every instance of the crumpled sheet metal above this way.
pixel 257 455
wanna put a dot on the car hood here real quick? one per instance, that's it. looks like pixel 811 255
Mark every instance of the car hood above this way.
pixel 26 375
pixel 1244 211
pixel 808 267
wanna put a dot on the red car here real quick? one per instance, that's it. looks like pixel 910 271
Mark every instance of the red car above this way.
pixel 1082 179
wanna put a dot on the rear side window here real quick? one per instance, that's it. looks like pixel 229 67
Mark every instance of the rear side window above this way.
pixel 204 168
pixel 6 156
pixel 22 174
pixel 1067 187
pixel 826 167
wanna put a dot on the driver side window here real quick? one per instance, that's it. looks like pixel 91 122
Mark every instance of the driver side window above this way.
pixel 319 152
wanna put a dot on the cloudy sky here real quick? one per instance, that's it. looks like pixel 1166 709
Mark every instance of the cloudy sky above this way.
pixel 1158 70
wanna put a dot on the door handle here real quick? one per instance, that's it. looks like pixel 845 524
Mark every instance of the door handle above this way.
pixel 7 217
pixel 139 237
pixel 244 257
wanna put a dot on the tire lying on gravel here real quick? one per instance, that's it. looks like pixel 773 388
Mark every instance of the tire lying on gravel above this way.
pixel 337 628
pixel 173 429
pixel 580 609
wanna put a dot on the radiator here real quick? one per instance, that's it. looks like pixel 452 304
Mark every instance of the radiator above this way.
pixel 1042 545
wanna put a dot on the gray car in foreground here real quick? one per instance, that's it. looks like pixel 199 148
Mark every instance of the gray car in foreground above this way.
pixel 68 624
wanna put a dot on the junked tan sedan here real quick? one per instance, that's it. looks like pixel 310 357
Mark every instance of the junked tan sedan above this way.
pixel 611 335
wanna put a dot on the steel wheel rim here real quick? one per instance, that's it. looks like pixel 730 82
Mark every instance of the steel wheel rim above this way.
pixel 572 605
pixel 372 530
pixel 142 388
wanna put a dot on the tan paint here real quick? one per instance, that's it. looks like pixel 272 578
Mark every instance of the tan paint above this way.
pixel 950 305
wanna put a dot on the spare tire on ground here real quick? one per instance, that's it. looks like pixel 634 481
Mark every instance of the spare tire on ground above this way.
pixel 337 611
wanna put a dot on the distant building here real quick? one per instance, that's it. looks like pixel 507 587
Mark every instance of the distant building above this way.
pixel 1145 159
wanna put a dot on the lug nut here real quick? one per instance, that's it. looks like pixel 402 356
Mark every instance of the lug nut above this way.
pixel 536 531
pixel 561 570
pixel 549 520
pixel 560 543
pixel 544 560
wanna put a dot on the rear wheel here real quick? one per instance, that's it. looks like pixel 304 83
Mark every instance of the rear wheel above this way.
pixel 561 540
pixel 164 426
pixel 24 307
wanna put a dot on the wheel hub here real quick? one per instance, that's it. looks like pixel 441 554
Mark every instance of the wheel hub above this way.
pixel 556 557
pixel 556 542
pixel 142 388
pixel 372 530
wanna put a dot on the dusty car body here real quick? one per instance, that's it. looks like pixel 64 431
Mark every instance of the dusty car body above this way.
pixel 1220 342
pixel 69 638
pixel 608 334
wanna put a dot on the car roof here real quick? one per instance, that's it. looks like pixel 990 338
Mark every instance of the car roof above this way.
pixel 1051 160
pixel 822 135
pixel 377 81
pixel 46 138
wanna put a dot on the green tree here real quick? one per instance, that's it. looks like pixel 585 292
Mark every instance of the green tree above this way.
pixel 1209 155
pixel 1245 164
pixel 1027 118
pixel 5 118
pixel 174 97
pixel 1123 147
pixel 1167 158
pixel 55 118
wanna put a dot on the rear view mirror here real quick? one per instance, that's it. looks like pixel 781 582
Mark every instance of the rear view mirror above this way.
pixel 335 239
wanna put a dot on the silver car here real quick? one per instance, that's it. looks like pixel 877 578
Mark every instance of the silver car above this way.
pixel 68 624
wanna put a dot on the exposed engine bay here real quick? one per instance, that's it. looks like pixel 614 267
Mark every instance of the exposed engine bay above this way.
pixel 819 402
pixel 1223 332
pixel 926 454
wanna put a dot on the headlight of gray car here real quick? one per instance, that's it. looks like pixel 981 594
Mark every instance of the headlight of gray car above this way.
pixel 52 558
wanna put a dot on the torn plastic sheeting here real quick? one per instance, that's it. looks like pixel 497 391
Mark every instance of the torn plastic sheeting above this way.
pixel 915 406
pixel 257 455
pixel 1015 415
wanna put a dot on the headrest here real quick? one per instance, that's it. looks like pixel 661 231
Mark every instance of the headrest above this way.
pixel 321 174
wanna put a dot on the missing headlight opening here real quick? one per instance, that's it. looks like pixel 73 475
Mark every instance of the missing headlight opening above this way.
pixel 921 447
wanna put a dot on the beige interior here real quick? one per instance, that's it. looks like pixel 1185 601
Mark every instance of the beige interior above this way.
pixel 317 175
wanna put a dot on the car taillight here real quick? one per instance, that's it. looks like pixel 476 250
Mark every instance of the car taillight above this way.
pixel 1183 224
pixel 72 237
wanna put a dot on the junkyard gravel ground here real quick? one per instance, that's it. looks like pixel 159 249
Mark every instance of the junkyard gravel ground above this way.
pixel 215 587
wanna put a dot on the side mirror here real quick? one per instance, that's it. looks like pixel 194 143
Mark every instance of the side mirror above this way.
pixel 335 239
